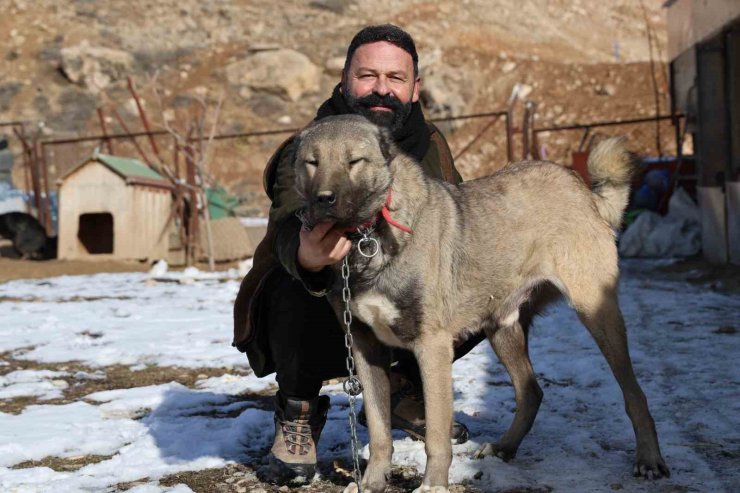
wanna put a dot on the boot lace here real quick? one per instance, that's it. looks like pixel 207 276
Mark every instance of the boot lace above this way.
pixel 297 436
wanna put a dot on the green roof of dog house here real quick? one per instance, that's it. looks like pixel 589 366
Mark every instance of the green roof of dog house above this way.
pixel 128 167
pixel 131 170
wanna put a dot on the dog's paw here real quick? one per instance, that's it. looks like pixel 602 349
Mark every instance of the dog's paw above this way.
pixel 431 489
pixel 352 488
pixel 503 453
pixel 653 469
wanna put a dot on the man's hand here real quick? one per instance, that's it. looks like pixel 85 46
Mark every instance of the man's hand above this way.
pixel 322 246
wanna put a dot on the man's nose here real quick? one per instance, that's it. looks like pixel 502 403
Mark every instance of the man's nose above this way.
pixel 381 86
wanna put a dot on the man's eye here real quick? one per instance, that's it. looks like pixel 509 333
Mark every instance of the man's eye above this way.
pixel 355 161
pixel 312 162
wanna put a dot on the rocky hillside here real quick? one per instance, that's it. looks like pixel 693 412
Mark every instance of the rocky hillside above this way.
pixel 271 64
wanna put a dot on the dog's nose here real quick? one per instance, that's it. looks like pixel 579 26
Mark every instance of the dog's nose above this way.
pixel 326 198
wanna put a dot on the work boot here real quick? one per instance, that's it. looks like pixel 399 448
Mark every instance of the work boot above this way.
pixel 298 426
pixel 407 411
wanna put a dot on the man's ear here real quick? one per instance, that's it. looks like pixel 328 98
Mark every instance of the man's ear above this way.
pixel 387 145
pixel 417 90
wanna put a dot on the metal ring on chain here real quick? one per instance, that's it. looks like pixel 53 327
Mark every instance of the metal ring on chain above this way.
pixel 352 386
pixel 375 246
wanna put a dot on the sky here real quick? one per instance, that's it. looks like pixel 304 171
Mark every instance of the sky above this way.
pixel 582 439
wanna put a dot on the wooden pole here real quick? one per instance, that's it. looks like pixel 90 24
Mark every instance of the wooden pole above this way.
pixel 107 140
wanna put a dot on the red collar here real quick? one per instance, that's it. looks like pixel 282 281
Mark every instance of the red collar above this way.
pixel 386 214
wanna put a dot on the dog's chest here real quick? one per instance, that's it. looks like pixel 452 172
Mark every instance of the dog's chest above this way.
pixel 382 314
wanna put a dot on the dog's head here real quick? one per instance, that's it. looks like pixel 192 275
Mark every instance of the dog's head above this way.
pixel 342 170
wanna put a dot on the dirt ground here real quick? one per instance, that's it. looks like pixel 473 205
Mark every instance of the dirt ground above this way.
pixel 13 268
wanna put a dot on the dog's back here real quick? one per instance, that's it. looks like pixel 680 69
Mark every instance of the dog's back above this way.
pixel 530 223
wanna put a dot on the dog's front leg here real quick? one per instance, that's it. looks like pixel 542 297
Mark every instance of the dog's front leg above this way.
pixel 373 360
pixel 434 354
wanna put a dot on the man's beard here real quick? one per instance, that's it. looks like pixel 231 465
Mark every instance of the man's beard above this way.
pixel 393 119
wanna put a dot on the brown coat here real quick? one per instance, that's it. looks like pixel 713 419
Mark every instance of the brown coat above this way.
pixel 277 180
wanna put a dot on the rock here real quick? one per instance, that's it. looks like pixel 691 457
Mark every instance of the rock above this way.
pixel 508 67
pixel 8 90
pixel 257 47
pixel 524 90
pixel 95 67
pixel 334 65
pixel 336 6
pixel 605 90
pixel 267 105
pixel 439 90
pixel 286 73
pixel 439 98
pixel 76 106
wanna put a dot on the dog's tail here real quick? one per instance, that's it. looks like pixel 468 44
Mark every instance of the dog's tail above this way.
pixel 610 165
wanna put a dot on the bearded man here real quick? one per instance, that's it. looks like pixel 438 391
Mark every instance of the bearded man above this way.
pixel 281 319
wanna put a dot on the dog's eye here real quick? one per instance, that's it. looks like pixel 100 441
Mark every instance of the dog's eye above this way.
pixel 352 162
pixel 312 162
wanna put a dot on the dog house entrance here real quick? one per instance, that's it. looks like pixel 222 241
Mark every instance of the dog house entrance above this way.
pixel 96 232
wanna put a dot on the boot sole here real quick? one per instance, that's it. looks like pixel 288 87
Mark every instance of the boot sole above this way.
pixel 284 472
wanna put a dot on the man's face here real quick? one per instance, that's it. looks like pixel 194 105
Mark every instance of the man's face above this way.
pixel 380 84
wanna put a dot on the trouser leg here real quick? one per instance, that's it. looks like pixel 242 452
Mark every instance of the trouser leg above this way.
pixel 305 339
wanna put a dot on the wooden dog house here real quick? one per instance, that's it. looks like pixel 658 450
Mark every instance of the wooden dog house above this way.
pixel 112 207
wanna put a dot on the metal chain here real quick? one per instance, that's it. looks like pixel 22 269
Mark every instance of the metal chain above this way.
pixel 352 385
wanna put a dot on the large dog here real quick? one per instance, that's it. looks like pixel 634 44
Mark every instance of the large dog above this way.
pixel 482 256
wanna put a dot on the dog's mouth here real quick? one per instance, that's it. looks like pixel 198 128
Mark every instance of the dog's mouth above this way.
pixel 345 214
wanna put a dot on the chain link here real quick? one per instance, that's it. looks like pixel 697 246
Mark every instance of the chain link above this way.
pixel 352 385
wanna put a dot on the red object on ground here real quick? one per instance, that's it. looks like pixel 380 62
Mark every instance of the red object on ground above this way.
pixel 580 166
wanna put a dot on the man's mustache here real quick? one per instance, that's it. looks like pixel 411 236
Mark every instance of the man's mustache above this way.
pixel 375 99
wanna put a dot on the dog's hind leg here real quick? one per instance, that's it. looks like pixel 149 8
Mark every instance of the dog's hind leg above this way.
pixel 373 360
pixel 510 345
pixel 599 311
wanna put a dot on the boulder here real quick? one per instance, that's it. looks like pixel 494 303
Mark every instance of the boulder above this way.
pixel 95 67
pixel 440 93
pixel 285 73
pixel 334 65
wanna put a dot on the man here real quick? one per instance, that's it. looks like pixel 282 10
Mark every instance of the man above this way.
pixel 277 321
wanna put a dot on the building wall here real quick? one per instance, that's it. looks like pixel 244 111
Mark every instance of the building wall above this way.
pixel 691 21
pixel 704 49
pixel 139 214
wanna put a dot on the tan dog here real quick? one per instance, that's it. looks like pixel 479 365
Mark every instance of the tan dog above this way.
pixel 486 255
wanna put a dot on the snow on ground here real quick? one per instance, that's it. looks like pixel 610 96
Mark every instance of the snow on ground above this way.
pixel 582 439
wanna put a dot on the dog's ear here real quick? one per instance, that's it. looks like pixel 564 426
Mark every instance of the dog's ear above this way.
pixel 387 145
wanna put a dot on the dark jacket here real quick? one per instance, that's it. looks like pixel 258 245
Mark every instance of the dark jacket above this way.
pixel 278 248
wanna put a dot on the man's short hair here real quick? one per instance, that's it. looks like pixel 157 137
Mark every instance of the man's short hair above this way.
pixel 384 32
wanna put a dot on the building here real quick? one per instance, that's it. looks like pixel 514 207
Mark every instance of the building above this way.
pixel 704 54
pixel 113 208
